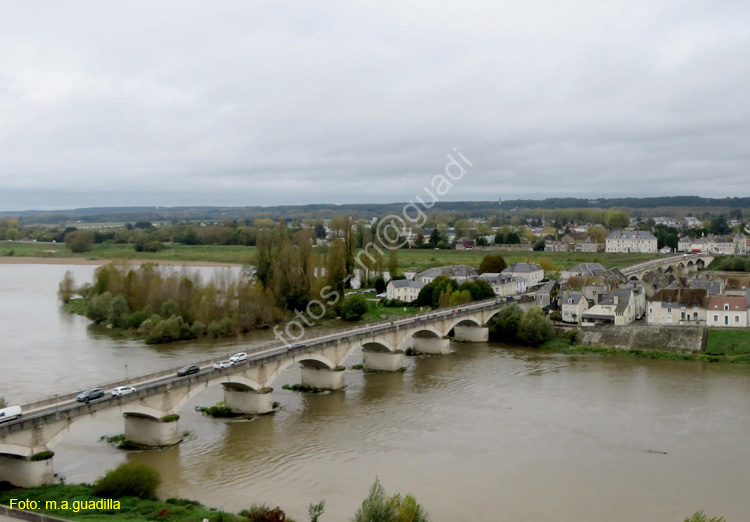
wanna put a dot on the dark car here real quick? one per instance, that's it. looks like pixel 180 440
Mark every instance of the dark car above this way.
pixel 90 395
pixel 188 370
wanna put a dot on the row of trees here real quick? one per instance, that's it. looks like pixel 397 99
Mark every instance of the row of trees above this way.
pixel 444 291
pixel 163 305
pixel 512 324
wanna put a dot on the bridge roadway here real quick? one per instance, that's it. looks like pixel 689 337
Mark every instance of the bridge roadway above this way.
pixel 39 412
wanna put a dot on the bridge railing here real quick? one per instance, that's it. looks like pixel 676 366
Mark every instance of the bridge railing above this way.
pixel 132 381
pixel 438 313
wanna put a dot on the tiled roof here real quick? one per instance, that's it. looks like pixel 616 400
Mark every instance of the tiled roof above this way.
pixel 681 296
pixel 406 283
pixel 735 303
pixel 522 267
pixel 631 234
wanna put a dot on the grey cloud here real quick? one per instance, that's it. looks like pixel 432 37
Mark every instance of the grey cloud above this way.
pixel 239 103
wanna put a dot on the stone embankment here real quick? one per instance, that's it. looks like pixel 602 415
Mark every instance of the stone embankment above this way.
pixel 645 337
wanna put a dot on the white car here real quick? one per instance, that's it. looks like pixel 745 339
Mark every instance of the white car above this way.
pixel 10 413
pixel 122 390
pixel 241 356
pixel 222 364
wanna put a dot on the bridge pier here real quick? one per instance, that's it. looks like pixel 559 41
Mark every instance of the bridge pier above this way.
pixel 249 402
pixel 149 431
pixel 323 378
pixel 471 334
pixel 432 345
pixel 24 472
pixel 382 361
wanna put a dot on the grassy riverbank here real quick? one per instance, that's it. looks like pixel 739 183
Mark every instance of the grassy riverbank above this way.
pixel 409 260
pixel 728 342
pixel 579 349
pixel 131 509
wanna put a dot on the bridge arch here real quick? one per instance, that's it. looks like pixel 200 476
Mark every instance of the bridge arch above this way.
pixel 424 330
pixel 312 359
pixel 464 321
pixel 237 380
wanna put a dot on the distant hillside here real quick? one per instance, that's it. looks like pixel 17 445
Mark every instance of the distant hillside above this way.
pixel 467 208
pixel 635 203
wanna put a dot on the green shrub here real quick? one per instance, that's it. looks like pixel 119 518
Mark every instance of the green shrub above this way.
pixel 118 312
pixel 168 309
pixel 198 329
pixel 354 307
pixel 168 330
pixel 535 328
pixel 314 511
pixel 42 455
pixel 570 336
pixel 505 324
pixel 129 480
pixel 98 309
pixel 170 418
pixel 378 507
pixel 700 516
pixel 135 319
pixel 262 513
pixel 375 508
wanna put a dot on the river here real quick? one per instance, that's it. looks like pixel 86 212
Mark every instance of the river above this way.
pixel 489 433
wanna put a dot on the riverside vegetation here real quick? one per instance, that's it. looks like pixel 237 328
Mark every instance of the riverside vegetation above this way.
pixel 161 304
pixel 134 487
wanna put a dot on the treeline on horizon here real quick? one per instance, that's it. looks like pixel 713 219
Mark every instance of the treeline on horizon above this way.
pixel 468 209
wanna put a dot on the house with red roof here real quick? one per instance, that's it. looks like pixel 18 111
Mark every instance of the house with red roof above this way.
pixel 727 311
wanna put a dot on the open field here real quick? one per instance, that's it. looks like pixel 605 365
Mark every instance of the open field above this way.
pixel 232 254
pixel 409 260
pixel 420 259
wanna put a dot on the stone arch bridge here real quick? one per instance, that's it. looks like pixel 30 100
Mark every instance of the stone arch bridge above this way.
pixel 151 413
pixel 688 262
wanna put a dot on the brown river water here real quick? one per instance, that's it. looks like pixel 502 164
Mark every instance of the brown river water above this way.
pixel 489 433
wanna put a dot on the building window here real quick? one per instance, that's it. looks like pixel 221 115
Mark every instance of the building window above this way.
pixel 726 307
pixel 736 318
pixel 716 318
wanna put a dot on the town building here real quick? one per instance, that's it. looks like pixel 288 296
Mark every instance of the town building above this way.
pixel 678 306
pixel 404 290
pixel 460 273
pixel 711 287
pixel 504 285
pixel 573 307
pixel 532 272
pixel 617 307
pixel 631 241
pixel 546 296
pixel 727 311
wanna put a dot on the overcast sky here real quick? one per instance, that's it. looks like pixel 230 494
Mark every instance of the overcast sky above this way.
pixel 246 103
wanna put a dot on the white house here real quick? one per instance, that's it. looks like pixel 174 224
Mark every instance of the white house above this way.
pixel 678 306
pixel 404 290
pixel 631 241
pixel 573 306
pixel 617 307
pixel 532 272
pixel 727 311
pixel 504 285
